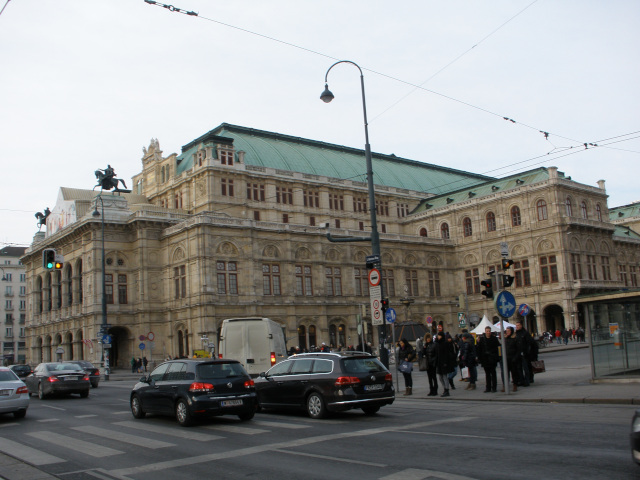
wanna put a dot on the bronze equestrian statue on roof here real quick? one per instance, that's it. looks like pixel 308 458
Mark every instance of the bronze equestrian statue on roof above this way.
pixel 107 181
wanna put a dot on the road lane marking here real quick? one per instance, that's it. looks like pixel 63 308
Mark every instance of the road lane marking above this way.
pixel 122 413
pixel 236 429
pixel 27 454
pixel 187 461
pixel 45 420
pixel 123 437
pixel 331 458
pixel 54 408
pixel 180 432
pixel 452 435
pixel 415 474
pixel 291 426
pixel 84 446
pixel 85 416
pixel 9 425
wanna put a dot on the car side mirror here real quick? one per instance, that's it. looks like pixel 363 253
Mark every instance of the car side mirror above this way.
pixel 263 374
pixel 144 379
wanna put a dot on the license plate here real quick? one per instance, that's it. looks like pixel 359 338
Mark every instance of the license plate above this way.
pixel 231 403
pixel 5 392
pixel 71 378
pixel 374 388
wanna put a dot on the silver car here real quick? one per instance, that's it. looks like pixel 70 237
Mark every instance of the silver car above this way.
pixel 14 396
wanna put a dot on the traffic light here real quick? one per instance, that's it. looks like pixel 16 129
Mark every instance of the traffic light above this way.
pixel 507 281
pixel 49 258
pixel 488 288
pixel 58 264
pixel 506 263
pixel 385 304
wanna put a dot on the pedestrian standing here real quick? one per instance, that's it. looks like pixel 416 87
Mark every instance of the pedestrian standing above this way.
pixel 139 365
pixel 454 345
pixel 429 354
pixel 406 353
pixel 445 361
pixel 145 362
pixel 489 354
pixel 513 357
pixel 525 341
pixel 468 357
pixel 133 364
pixel 558 336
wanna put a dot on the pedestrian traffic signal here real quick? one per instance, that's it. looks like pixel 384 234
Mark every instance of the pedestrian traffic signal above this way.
pixel 506 263
pixel 49 258
pixel 488 288
pixel 507 281
pixel 385 304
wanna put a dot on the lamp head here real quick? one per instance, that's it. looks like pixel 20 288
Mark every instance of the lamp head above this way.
pixel 96 213
pixel 326 96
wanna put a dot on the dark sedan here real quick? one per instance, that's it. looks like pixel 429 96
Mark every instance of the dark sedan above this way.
pixel 322 382
pixel 195 388
pixel 58 378
pixel 89 369
pixel 21 371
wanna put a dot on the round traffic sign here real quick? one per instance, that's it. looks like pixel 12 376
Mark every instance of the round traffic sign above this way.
pixel 429 319
pixel 151 336
pixel 374 277
pixel 524 309
pixel 505 304
pixel 141 346
pixel 142 338
pixel 390 315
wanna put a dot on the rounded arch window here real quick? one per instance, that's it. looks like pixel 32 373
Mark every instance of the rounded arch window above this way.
pixel 444 230
pixel 567 204
pixel 491 222
pixel 598 212
pixel 516 219
pixel 423 232
pixel 541 208
pixel 467 228
pixel 583 209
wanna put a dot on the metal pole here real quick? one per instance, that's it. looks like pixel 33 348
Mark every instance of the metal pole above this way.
pixel 505 368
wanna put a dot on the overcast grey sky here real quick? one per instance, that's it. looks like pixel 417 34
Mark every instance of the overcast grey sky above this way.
pixel 84 83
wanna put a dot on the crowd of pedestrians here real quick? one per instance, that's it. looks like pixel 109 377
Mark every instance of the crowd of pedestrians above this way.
pixel 443 355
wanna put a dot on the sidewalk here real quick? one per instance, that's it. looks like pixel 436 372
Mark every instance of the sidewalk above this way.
pixel 559 384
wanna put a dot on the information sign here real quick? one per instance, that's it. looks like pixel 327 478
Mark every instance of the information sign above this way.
pixel 390 315
pixel 505 304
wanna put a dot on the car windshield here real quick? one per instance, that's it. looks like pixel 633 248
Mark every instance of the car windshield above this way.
pixel 363 365
pixel 212 371
pixel 20 368
pixel 57 367
pixel 7 376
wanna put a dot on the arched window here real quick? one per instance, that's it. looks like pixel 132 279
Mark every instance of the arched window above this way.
pixel 568 206
pixel 541 207
pixel 312 335
pixel 516 219
pixel 583 209
pixel 466 224
pixel 342 334
pixel 423 232
pixel 162 175
pixel 302 337
pixel 444 230
pixel 598 212
pixel 491 222
pixel 333 338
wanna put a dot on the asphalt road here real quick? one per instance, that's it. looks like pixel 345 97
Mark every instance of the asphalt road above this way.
pixel 81 439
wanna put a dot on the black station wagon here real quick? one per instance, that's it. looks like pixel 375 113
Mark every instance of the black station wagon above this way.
pixel 193 388
pixel 321 382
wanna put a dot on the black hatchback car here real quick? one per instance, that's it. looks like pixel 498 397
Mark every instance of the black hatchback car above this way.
pixel 21 370
pixel 322 382
pixel 192 388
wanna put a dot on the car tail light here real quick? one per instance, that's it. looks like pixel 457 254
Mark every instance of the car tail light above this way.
pixel 388 378
pixel 22 390
pixel 86 377
pixel 273 358
pixel 219 355
pixel 201 387
pixel 249 383
pixel 346 381
pixel 53 379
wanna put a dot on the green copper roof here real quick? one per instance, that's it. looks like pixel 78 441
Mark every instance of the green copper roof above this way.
pixel 282 152
pixel 625 211
pixel 484 189
pixel 625 232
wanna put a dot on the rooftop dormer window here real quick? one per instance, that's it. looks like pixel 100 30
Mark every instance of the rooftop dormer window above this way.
pixel 225 156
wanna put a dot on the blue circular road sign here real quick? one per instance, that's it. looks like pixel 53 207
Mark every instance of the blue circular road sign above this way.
pixel 390 315
pixel 524 309
pixel 505 304
pixel 141 346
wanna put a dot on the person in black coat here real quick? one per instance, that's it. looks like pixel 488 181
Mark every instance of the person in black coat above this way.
pixel 525 342
pixel 468 357
pixel 514 356
pixel 445 361
pixel 489 354
pixel 429 354
pixel 406 353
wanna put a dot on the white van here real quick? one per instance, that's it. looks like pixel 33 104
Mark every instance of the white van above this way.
pixel 257 343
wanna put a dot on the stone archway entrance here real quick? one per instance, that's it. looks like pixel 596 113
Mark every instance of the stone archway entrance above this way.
pixel 553 318
pixel 119 356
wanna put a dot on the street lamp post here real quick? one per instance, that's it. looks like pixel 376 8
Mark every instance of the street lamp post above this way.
pixel 103 330
pixel 326 97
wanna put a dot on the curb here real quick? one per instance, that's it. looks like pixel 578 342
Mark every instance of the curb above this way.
pixel 585 400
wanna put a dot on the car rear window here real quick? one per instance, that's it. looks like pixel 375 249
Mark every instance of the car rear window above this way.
pixel 362 365
pixel 63 366
pixel 7 376
pixel 215 371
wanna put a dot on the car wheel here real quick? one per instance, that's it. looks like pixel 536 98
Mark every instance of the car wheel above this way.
pixel 315 406
pixel 246 416
pixel 41 394
pixel 182 414
pixel 370 410
pixel 136 407
pixel 84 394
pixel 20 413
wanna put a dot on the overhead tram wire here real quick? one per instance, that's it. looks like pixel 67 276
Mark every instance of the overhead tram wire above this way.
pixel 390 77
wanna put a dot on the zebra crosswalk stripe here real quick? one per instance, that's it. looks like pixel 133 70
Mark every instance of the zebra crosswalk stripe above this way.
pixel 123 437
pixel 84 446
pixel 179 432
pixel 27 454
